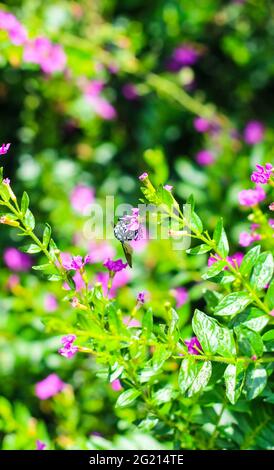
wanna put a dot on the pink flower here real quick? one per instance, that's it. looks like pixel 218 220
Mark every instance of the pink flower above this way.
pixel 271 206
pixel 16 261
pixel 193 345
pixel 49 387
pixel 271 313
pixel 262 174
pixel 143 176
pixel 130 92
pixel 4 149
pixel 75 263
pixel 251 197
pixel 93 88
pixel 100 251
pixel 246 238
pixel 141 241
pixel 82 198
pixel 102 107
pixel 254 132
pixel 131 322
pixel 12 281
pixel 181 296
pixel 183 56
pixel 15 30
pixel 168 187
pixel 271 223
pixel 51 57
pixel 115 266
pixel 236 259
pixel 120 279
pixel 50 303
pixel 68 349
pixel 201 124
pixel 116 385
pixel 204 158
pixel 40 445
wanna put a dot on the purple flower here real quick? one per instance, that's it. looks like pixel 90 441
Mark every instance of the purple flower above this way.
pixel 271 223
pixel 50 57
pixel 181 296
pixel 236 259
pixel 254 132
pixel 16 261
pixel 141 297
pixel 115 266
pixel 49 387
pixel 143 176
pixel 15 30
pixel 40 445
pixel 131 322
pixel 184 56
pixel 50 303
pixel 75 262
pixel 204 157
pixel 251 197
pixel 130 92
pixel 68 349
pixel 201 124
pixel 168 187
pixel 116 385
pixel 102 107
pixel 81 198
pixel 271 206
pixel 4 149
pixel 262 174
pixel 93 87
pixel 133 220
pixel 193 345
pixel 246 238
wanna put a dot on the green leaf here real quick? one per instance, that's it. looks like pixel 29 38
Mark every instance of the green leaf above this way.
pixel 214 338
pixel 263 270
pixel 196 224
pixel 233 303
pixel 249 341
pixel 32 248
pixel 270 295
pixel 29 220
pixel 214 269
pixel 127 397
pixel 268 339
pixel 249 260
pixel 187 374
pixel 234 379
pixel 42 267
pixel 173 320
pixel 24 203
pixel 220 238
pixel 256 380
pixel 46 235
pixel 255 319
pixel 199 250
pixel 201 379
pixel 163 395
pixel 160 355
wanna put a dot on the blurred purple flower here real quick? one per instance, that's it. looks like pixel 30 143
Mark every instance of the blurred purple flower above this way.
pixel 236 259
pixel 262 174
pixel 40 445
pixel 141 297
pixel 271 206
pixel 51 57
pixel 15 260
pixel 246 238
pixel 131 322
pixel 185 55
pixel 68 349
pixel 75 263
pixel 143 176
pixel 251 197
pixel 50 303
pixel 168 187
pixel 49 387
pixel 4 149
pixel 81 198
pixel 181 296
pixel 201 124
pixel 15 30
pixel 102 107
pixel 193 345
pixel 116 385
pixel 205 157
pixel 115 266
pixel 129 91
pixel 254 132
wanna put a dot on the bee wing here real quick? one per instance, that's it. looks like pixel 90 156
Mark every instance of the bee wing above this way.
pixel 128 252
